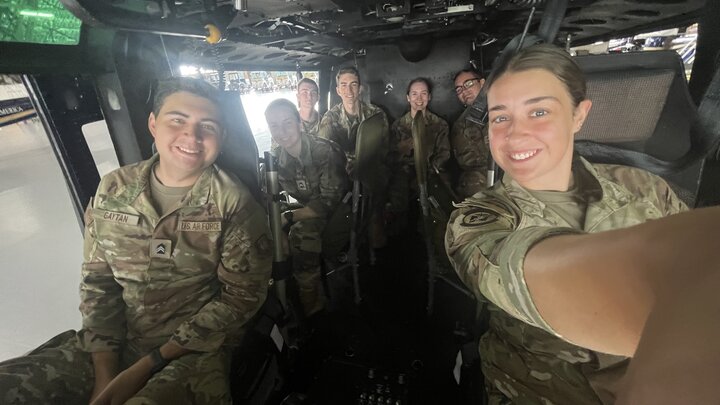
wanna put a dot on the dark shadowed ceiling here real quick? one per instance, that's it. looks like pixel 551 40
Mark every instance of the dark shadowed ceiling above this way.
pixel 286 33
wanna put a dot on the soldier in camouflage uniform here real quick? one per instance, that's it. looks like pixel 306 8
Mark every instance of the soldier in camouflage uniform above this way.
pixel 311 170
pixel 403 180
pixel 469 140
pixel 176 260
pixel 526 358
pixel 340 125
pixel 307 98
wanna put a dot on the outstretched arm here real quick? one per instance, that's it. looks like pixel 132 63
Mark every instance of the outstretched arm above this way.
pixel 678 356
pixel 597 290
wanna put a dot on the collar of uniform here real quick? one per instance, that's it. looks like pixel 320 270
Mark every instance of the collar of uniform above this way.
pixel 312 126
pixel 130 191
pixel 597 188
pixel 429 117
pixel 199 194
pixel 521 197
pixel 618 194
pixel 592 187
pixel 282 156
pixel 365 111
pixel 315 118
pixel 346 117
pixel 408 118
pixel 304 159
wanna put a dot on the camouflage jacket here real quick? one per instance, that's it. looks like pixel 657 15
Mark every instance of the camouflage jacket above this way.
pixel 436 128
pixel 470 144
pixel 193 276
pixel 338 127
pixel 311 127
pixel 487 240
pixel 317 179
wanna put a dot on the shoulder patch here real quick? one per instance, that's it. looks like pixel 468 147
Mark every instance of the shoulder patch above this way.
pixel 478 217
pixel 479 211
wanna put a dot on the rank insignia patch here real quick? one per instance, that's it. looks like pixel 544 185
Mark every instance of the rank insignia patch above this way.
pixel 161 248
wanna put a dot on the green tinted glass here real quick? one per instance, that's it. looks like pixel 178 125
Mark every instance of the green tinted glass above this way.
pixel 38 21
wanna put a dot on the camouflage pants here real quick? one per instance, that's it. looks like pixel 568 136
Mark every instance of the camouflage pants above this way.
pixel 59 372
pixel 305 240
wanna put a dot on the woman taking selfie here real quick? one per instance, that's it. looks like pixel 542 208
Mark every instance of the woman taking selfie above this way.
pixel 566 253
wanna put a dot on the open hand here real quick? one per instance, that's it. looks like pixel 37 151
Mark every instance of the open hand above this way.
pixel 125 385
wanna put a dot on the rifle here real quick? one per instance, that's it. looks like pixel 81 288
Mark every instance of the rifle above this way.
pixel 421 175
pixel 285 287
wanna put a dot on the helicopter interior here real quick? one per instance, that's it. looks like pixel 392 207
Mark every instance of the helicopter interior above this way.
pixel 388 346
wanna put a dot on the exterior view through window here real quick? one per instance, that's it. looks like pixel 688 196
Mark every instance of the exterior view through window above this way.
pixel 257 89
pixel 41 247
pixel 683 40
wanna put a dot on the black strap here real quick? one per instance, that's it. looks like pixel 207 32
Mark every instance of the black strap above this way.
pixel 552 20
pixel 159 362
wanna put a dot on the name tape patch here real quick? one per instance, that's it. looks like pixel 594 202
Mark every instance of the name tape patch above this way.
pixel 200 226
pixel 120 217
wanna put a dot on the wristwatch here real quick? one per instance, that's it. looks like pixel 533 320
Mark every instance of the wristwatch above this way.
pixel 159 362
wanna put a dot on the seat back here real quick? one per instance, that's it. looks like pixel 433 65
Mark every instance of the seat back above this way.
pixel 643 116
pixel 240 153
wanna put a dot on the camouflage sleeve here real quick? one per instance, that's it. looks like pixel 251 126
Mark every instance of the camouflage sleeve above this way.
pixel 469 144
pixel 101 303
pixel 442 146
pixel 333 183
pixel 644 184
pixel 669 202
pixel 244 272
pixel 488 252
pixel 325 128
pixel 456 138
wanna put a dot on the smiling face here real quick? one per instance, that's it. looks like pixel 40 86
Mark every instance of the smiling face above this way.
pixel 532 126
pixel 307 96
pixel 188 135
pixel 348 88
pixel 418 96
pixel 467 87
pixel 284 127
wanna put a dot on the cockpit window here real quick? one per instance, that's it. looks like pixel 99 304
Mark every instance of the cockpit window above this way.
pixel 683 40
pixel 38 21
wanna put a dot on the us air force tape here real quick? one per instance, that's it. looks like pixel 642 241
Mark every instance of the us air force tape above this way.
pixel 478 217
